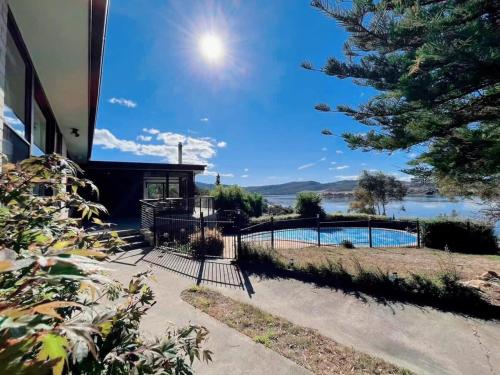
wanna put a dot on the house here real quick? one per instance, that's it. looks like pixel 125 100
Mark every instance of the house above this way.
pixel 51 55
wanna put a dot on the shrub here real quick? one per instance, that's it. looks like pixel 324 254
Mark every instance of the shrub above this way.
pixel 347 244
pixel 459 236
pixel 278 210
pixel 54 311
pixel 212 243
pixel 236 198
pixel 309 204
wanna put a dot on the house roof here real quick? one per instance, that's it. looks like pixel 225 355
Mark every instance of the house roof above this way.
pixel 120 165
pixel 65 40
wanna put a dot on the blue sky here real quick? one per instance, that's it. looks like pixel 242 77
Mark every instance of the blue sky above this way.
pixel 249 116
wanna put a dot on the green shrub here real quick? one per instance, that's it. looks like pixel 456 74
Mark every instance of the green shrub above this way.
pixel 459 236
pixel 236 198
pixel 347 244
pixel 212 243
pixel 308 204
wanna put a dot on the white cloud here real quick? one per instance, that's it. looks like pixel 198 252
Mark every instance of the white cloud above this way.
pixel 364 164
pixel 322 159
pixel 324 149
pixel 123 102
pixel 348 177
pixel 340 167
pixel 151 131
pixel 244 176
pixel 221 144
pixel 245 170
pixel 333 162
pixel 144 138
pixel 309 165
pixel 339 152
pixel 195 150
pixel 204 119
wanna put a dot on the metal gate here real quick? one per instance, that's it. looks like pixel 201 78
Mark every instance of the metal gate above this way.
pixel 197 237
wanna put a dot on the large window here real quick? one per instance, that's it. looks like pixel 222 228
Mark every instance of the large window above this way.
pixel 39 132
pixel 15 88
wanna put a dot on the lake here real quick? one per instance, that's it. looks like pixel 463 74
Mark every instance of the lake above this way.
pixel 414 206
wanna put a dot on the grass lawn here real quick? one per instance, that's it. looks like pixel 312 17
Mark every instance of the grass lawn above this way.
pixel 404 261
pixel 304 346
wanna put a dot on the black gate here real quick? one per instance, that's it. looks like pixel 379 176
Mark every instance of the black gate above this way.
pixel 197 237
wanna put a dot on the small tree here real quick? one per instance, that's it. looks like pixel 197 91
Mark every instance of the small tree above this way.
pixel 52 286
pixel 375 191
pixel 308 204
pixel 236 198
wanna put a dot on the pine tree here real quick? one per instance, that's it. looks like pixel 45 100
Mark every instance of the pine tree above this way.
pixel 436 66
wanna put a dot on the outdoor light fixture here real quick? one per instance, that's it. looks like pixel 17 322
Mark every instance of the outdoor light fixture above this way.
pixel 75 132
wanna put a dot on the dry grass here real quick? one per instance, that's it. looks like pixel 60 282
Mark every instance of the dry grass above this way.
pixel 404 261
pixel 306 347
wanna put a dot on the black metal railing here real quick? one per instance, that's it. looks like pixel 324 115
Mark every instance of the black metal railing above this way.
pixel 192 207
pixel 300 233
pixel 223 236
pixel 197 237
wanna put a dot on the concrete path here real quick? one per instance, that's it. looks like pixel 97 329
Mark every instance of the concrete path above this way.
pixel 234 353
pixel 423 340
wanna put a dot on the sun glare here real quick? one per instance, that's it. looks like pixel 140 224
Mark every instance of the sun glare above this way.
pixel 211 48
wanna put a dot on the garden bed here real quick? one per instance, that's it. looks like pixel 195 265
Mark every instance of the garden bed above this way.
pixel 304 346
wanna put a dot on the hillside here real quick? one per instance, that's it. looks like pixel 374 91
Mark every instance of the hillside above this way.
pixel 292 188
pixel 298 186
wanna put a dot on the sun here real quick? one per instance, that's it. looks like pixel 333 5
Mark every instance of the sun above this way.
pixel 212 48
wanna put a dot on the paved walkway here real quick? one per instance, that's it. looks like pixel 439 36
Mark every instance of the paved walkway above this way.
pixel 423 340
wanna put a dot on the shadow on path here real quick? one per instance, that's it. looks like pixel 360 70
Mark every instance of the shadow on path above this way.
pixel 205 271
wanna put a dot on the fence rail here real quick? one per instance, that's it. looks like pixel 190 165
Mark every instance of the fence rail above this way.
pixel 309 232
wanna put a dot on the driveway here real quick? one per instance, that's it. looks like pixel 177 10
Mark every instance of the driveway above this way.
pixel 424 340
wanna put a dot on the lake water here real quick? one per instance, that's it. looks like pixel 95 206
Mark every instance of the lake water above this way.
pixel 418 206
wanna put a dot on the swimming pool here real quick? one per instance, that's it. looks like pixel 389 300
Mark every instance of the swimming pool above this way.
pixel 358 236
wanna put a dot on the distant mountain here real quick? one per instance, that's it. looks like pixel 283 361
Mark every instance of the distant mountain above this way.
pixel 298 186
pixel 344 186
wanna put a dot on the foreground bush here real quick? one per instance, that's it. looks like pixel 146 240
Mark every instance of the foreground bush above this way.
pixel 459 236
pixel 55 310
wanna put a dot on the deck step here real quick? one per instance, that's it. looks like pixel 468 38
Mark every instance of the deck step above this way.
pixel 134 245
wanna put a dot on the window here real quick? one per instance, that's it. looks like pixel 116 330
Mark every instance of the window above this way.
pixel 39 132
pixel 154 190
pixel 15 88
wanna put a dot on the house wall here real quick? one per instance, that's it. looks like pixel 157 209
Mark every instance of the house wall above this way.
pixel 3 42
pixel 120 190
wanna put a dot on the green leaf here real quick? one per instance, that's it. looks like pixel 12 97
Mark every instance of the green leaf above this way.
pixel 54 348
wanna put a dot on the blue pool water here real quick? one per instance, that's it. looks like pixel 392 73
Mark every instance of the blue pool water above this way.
pixel 334 236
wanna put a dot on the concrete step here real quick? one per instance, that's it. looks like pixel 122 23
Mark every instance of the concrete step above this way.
pixel 133 238
pixel 134 245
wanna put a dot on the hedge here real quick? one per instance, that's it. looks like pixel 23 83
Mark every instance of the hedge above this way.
pixel 459 236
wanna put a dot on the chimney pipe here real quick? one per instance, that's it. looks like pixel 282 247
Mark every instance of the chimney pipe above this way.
pixel 179 153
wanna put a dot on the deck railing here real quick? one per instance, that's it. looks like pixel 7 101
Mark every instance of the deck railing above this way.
pixel 194 206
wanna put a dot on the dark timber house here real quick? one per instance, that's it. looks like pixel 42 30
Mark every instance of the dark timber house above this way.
pixel 51 54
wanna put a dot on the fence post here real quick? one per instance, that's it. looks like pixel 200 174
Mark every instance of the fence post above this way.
pixel 318 228
pixel 155 237
pixel 238 234
pixel 272 232
pixel 202 229
pixel 370 231
pixel 418 233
